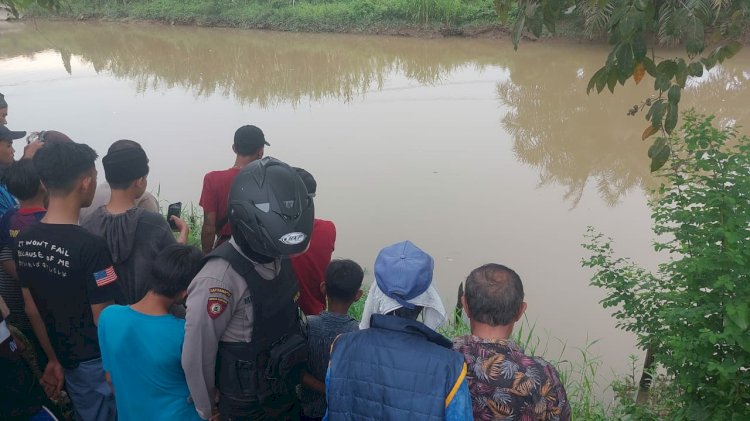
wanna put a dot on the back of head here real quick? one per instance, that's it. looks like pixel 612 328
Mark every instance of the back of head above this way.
pixel 22 180
pixel 248 140
pixel 308 179
pixel 343 280
pixel 270 212
pixel 174 268
pixel 3 103
pixel 494 294
pixel 125 162
pixel 61 164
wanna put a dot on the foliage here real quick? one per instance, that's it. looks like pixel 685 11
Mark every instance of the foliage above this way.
pixel 307 15
pixel 15 6
pixel 631 25
pixel 694 312
pixel 659 403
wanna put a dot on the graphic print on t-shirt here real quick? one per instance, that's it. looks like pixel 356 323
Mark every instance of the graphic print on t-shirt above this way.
pixel 42 254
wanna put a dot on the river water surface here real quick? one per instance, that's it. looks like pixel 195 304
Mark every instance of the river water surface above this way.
pixel 473 151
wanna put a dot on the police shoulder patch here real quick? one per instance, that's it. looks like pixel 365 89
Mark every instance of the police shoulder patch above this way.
pixel 222 291
pixel 216 306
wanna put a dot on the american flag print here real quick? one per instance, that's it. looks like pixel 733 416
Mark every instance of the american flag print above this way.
pixel 105 277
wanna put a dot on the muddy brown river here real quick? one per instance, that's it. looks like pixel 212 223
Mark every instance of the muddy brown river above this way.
pixel 473 151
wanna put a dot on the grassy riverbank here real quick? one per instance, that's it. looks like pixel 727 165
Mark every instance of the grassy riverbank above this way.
pixel 404 17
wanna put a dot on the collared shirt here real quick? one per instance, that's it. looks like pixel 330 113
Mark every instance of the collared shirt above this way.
pixel 218 309
pixel 506 384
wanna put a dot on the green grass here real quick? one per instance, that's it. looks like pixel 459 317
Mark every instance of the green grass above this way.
pixel 303 15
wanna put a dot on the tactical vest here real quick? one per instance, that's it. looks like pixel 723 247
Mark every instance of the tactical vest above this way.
pixel 271 363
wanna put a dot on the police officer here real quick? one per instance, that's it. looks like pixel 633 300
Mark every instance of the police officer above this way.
pixel 242 328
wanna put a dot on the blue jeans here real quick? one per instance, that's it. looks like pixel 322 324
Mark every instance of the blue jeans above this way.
pixel 90 393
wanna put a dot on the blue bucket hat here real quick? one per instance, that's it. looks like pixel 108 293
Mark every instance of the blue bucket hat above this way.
pixel 403 272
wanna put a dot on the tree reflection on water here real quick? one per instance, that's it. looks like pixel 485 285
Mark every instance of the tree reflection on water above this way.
pixel 574 140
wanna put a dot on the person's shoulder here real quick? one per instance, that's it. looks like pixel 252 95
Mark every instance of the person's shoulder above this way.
pixel 113 311
pixel 152 218
pixel 461 342
pixel 219 174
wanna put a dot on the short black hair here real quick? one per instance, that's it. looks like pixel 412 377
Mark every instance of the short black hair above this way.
pixel 174 268
pixel 61 164
pixel 119 145
pixel 494 294
pixel 22 180
pixel 343 279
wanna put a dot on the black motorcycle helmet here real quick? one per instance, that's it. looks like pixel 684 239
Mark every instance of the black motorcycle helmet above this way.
pixel 270 211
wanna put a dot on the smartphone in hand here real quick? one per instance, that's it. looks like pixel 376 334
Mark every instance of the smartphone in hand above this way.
pixel 174 209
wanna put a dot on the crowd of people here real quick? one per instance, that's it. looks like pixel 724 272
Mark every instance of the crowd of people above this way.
pixel 107 311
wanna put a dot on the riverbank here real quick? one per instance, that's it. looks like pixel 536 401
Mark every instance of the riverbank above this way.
pixel 414 18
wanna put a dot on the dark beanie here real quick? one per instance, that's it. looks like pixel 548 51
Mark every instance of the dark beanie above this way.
pixel 3 104
pixel 125 165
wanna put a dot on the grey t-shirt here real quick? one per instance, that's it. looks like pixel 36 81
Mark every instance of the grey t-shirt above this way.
pixel 322 330
pixel 134 238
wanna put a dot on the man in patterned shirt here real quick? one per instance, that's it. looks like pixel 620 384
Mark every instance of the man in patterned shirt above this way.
pixel 505 384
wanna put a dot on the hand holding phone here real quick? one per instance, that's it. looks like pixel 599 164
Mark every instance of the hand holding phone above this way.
pixel 175 209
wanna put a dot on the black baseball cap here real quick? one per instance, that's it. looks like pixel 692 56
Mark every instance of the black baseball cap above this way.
pixel 248 139
pixel 308 179
pixel 8 134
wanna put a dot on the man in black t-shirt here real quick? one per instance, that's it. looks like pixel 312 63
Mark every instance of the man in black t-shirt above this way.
pixel 67 279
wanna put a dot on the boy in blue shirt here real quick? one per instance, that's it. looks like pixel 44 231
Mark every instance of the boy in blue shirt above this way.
pixel 141 344
pixel 343 280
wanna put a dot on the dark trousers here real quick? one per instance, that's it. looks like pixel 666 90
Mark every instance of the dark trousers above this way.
pixel 278 407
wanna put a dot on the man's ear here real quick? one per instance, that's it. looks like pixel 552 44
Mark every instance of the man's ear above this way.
pixel 521 311
pixel 87 183
pixel 234 149
pixel 358 295
pixel 465 307
pixel 323 288
pixel 259 152
pixel 142 182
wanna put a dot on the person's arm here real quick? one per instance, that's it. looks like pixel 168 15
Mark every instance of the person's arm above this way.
pixel 458 401
pixel 53 377
pixel 183 228
pixel 96 310
pixel 310 382
pixel 208 315
pixel 208 232
pixel 209 203
pixel 7 262
pixel 102 287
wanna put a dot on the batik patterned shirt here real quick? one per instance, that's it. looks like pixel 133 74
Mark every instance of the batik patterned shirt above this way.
pixel 506 384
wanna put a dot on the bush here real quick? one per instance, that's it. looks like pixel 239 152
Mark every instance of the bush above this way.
pixel 694 313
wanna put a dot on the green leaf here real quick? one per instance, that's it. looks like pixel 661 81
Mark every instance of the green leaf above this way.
pixel 695 69
pixel 670 122
pixel 659 153
pixel 625 61
pixel 682 73
pixel 650 66
pixel 668 68
pixel 731 49
pixel 657 113
pixel 662 83
pixel 639 47
pixel 593 82
pixel 612 78
pixel 673 95
pixel 695 37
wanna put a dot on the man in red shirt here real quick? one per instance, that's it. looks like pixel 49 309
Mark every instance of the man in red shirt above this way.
pixel 310 267
pixel 249 143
